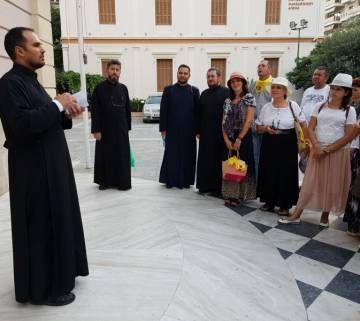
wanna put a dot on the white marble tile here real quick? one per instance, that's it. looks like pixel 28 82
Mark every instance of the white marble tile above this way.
pixel 169 255
pixel 354 264
pixel 338 238
pixel 329 306
pixel 310 271
pixel 286 241
pixel 265 218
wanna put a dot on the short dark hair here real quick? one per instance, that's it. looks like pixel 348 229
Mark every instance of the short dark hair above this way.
pixel 356 82
pixel 113 62
pixel 14 38
pixel 245 89
pixel 184 66
pixel 323 68
pixel 218 73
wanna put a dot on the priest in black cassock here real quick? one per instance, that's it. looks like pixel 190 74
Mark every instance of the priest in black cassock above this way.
pixel 211 141
pixel 47 233
pixel 111 122
pixel 178 121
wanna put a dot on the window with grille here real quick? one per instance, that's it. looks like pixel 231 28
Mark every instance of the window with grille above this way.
pixel 107 12
pixel 273 12
pixel 221 65
pixel 274 66
pixel 164 73
pixel 163 12
pixel 218 12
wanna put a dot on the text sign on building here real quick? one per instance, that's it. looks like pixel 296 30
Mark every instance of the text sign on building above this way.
pixel 299 4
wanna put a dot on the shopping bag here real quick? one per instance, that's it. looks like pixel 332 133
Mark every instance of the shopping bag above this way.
pixel 132 159
pixel 234 169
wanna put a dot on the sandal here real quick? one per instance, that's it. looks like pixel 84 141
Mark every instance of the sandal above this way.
pixel 234 202
pixel 267 208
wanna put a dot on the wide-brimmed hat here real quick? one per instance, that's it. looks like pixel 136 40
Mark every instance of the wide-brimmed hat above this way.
pixel 283 82
pixel 237 75
pixel 342 80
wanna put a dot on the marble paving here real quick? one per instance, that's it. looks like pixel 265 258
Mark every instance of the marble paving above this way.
pixel 165 255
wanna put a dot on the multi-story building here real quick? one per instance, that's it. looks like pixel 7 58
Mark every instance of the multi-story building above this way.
pixel 339 11
pixel 34 14
pixel 152 37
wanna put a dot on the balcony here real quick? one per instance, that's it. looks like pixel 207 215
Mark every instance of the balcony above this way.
pixel 333 20
pixel 333 5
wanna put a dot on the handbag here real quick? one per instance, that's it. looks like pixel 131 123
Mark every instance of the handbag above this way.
pixel 301 141
pixel 234 169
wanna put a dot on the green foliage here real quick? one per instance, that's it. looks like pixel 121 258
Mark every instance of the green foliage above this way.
pixel 69 81
pixel 56 32
pixel 339 52
pixel 137 105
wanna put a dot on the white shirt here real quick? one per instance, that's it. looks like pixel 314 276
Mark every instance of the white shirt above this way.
pixel 331 123
pixel 280 118
pixel 312 97
pixel 59 105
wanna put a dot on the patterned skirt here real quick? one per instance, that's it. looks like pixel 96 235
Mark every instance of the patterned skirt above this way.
pixel 245 190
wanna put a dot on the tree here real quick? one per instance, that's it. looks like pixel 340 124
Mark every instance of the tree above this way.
pixel 56 30
pixel 339 52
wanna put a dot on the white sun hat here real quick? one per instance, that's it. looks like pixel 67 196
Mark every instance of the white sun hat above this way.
pixel 283 82
pixel 342 80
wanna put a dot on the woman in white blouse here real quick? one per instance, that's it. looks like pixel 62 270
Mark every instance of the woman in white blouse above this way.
pixel 327 177
pixel 278 180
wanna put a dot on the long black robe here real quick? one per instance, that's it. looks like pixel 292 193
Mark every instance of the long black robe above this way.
pixel 178 117
pixel 47 233
pixel 111 116
pixel 211 143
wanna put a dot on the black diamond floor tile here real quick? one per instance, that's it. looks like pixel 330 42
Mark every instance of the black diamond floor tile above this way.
pixel 285 254
pixel 261 227
pixel 347 285
pixel 326 253
pixel 308 292
pixel 241 209
pixel 304 229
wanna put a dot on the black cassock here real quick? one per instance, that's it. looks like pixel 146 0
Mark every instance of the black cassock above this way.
pixel 211 143
pixel 111 116
pixel 178 117
pixel 48 240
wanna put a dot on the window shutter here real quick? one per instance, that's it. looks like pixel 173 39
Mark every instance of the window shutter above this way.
pixel 164 73
pixel 107 14
pixel 221 65
pixel 218 12
pixel 163 12
pixel 273 12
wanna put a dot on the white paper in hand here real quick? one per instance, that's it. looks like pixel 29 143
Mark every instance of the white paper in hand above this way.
pixel 81 99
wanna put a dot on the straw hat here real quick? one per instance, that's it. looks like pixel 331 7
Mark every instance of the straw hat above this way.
pixel 283 82
pixel 342 80
pixel 236 75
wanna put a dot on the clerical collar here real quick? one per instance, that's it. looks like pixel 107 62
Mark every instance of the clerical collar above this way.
pixel 25 70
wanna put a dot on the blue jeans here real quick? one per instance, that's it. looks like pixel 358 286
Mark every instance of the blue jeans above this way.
pixel 257 139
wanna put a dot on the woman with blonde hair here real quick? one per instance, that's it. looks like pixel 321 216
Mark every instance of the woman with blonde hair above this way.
pixel 327 177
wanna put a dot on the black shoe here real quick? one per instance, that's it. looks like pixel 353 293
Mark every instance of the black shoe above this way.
pixel 58 301
pixel 124 189
pixel 102 187
pixel 168 186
